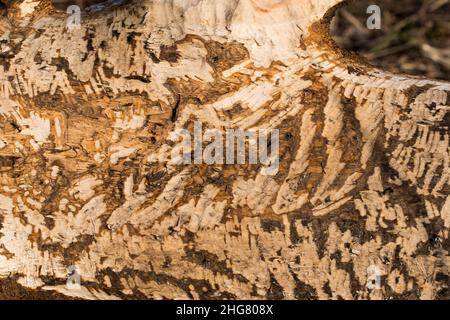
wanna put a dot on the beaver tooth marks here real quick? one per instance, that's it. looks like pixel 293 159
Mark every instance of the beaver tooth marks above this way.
pixel 90 121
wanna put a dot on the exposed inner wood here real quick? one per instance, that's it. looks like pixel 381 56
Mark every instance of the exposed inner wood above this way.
pixel 364 174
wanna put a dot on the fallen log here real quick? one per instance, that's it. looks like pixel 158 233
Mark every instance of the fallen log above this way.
pixel 353 201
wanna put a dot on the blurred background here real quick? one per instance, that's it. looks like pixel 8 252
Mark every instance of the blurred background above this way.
pixel 414 37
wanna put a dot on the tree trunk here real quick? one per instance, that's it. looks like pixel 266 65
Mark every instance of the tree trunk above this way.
pixel 359 207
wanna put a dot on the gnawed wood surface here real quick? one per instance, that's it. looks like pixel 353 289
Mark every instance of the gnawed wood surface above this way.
pixel 364 175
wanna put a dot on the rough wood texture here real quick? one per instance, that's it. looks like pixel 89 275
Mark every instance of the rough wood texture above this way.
pixel 364 176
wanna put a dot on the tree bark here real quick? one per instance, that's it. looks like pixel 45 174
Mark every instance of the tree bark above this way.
pixel 88 114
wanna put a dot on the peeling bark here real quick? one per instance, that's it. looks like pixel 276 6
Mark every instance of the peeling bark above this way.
pixel 86 115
